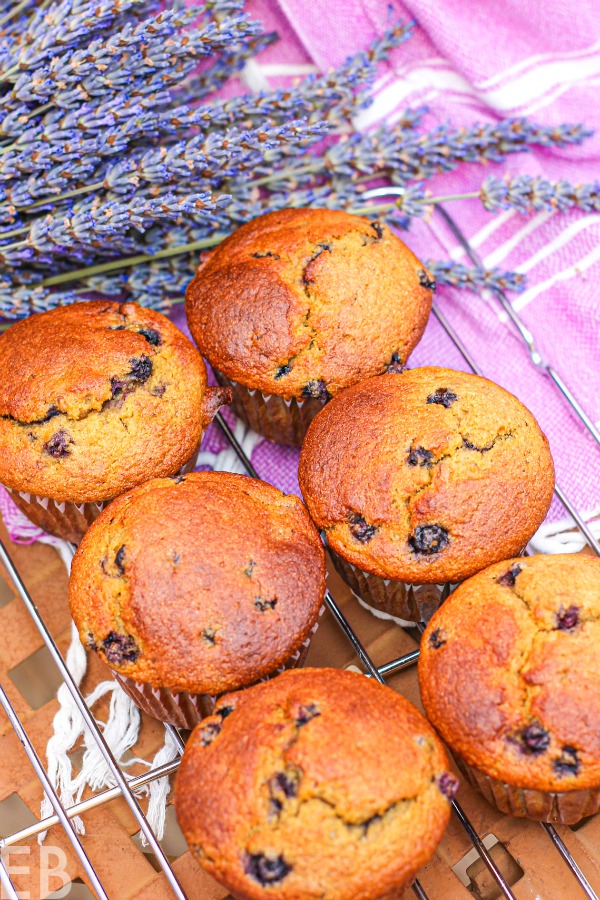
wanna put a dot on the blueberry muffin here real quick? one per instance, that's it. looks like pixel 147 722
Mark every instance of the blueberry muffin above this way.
pixel 320 783
pixel 510 677
pixel 421 479
pixel 96 398
pixel 192 586
pixel 298 304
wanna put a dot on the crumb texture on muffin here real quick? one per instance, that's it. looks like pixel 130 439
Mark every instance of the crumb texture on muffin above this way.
pixel 199 584
pixel 510 672
pixel 426 476
pixel 303 302
pixel 97 397
pixel 319 783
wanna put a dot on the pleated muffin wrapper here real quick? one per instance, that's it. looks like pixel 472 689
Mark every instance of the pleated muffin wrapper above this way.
pixel 403 603
pixel 67 520
pixel 279 420
pixel 186 710
pixel 564 807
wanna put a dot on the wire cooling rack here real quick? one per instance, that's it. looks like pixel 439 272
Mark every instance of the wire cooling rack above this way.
pixel 126 785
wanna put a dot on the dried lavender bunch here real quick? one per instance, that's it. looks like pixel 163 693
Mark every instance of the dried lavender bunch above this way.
pixel 404 155
pixel 115 166
pixel 528 194
pixel 474 278
pixel 524 193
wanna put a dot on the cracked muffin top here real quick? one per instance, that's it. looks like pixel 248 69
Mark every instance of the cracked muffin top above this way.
pixel 203 583
pixel 426 476
pixel 336 788
pixel 97 397
pixel 510 672
pixel 303 302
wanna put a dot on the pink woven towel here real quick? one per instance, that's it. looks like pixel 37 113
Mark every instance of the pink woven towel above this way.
pixel 470 60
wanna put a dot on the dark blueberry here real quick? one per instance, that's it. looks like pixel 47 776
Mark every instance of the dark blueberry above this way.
pixel 509 578
pixel 285 783
pixel 429 539
pixel 224 711
pixel 117 386
pixel 209 636
pixel 426 282
pixel 275 806
pixel 360 528
pixel 378 229
pixel 281 371
pixel 250 568
pixel 448 785
pixel 263 255
pixel 443 397
pixel 58 445
pixel 306 713
pixel 534 739
pixel 266 869
pixel 567 619
pixel 159 390
pixel 141 368
pixel 317 390
pixel 120 648
pixel 176 558
pixel 419 456
pixel 436 639
pixel 90 642
pixel 568 763
pixel 209 733
pixel 120 559
pixel 263 605
pixel 52 412
pixel 395 366
pixel 152 336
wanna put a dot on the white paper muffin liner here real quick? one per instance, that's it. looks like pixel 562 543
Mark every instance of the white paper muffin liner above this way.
pixel 564 807
pixel 186 710
pixel 67 520
pixel 277 419
pixel 402 602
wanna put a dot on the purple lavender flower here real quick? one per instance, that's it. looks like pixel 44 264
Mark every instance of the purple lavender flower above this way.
pixel 475 279
pixel 527 193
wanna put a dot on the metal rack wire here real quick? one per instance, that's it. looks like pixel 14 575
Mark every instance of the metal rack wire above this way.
pixel 125 786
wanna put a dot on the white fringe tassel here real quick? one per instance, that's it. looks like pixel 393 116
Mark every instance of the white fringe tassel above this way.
pixel 564 536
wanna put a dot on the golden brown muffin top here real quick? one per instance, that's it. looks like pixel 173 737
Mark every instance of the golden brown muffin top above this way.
pixel 203 584
pixel 303 302
pixel 426 476
pixel 97 397
pixel 319 783
pixel 510 672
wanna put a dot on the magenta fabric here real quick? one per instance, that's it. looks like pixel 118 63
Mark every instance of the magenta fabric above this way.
pixel 481 61
pixel 474 60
